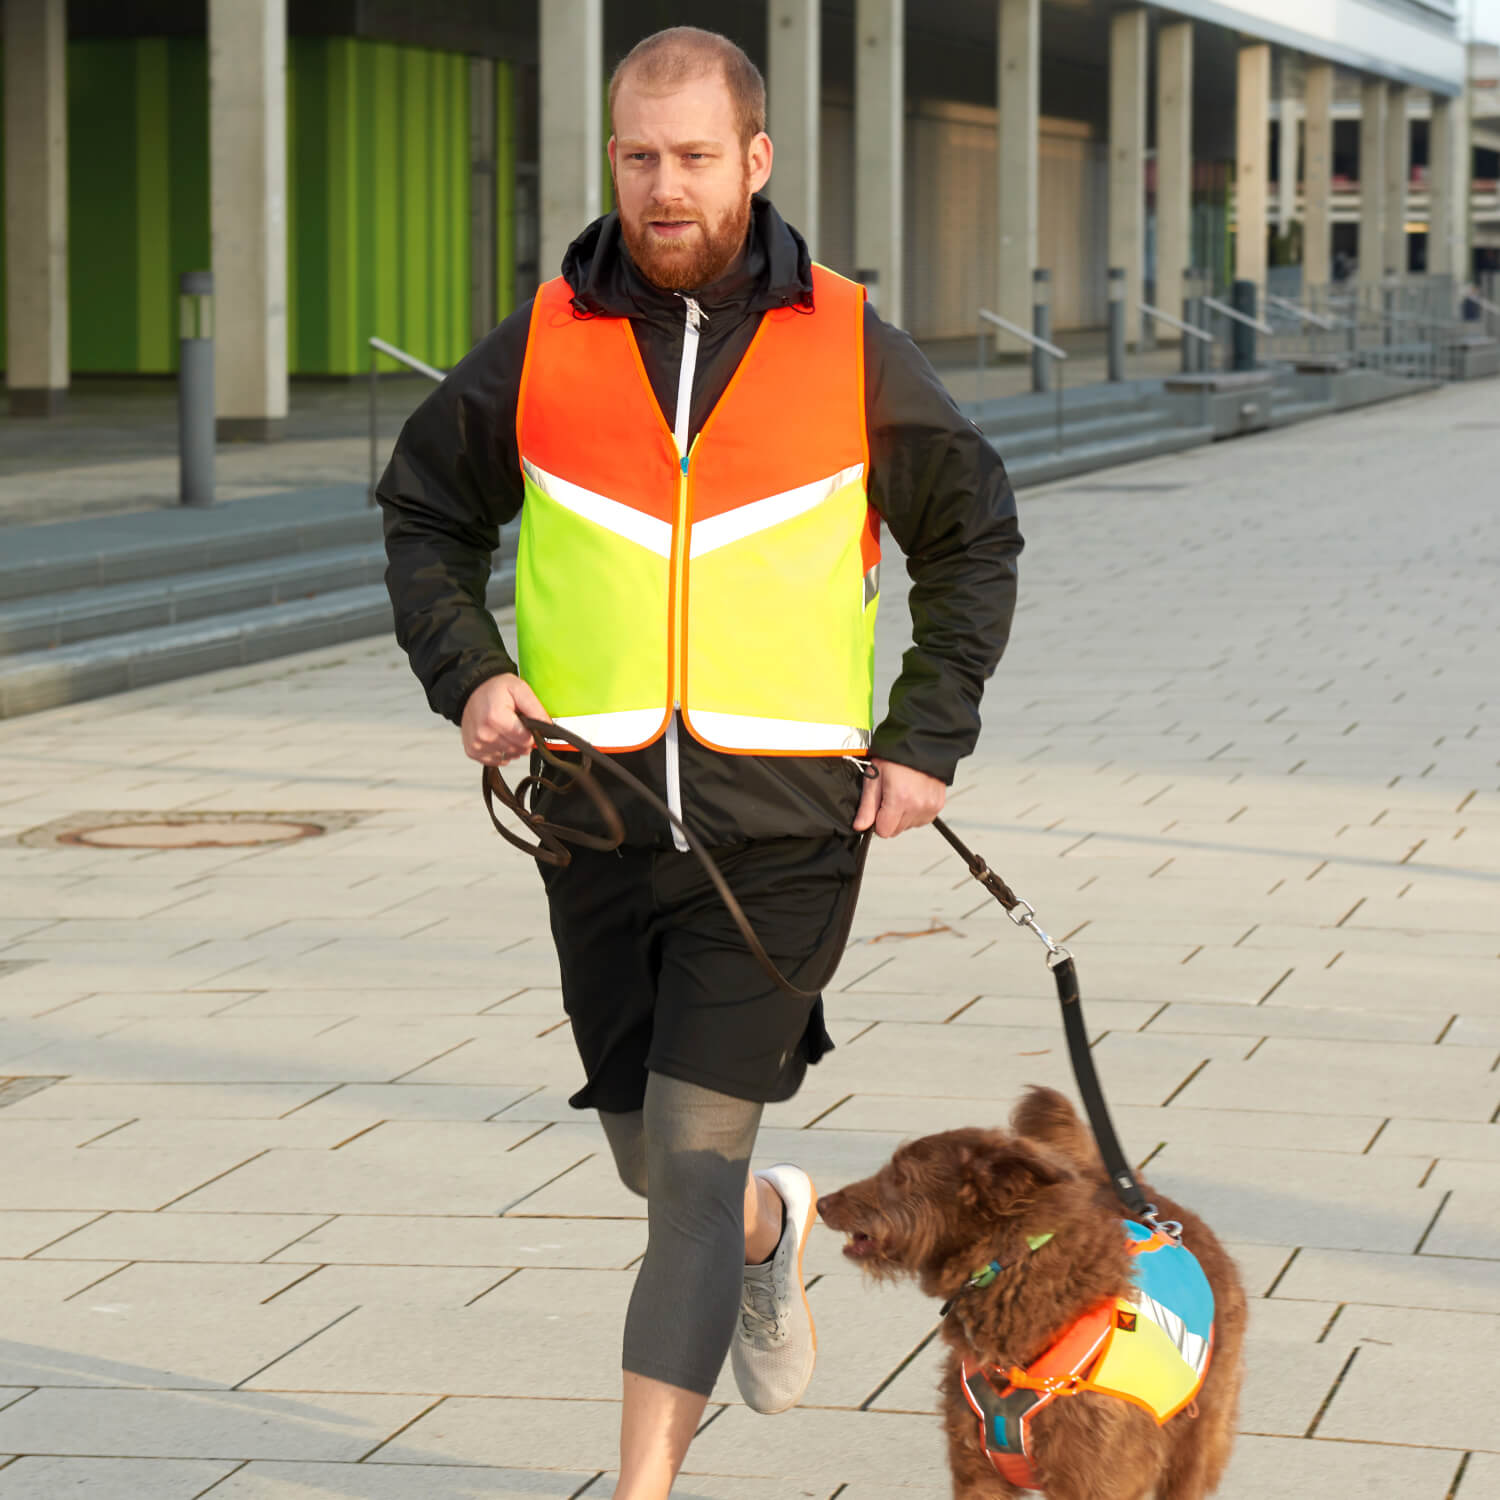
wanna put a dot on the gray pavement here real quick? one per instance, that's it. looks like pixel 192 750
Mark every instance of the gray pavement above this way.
pixel 293 1206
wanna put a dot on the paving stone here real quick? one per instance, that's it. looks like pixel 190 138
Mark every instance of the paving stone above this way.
pixel 1439 1138
pixel 1284 1021
pixel 367 1239
pixel 203 1424
pixel 1347 1077
pixel 1328 1199
pixel 243 1138
pixel 1262 1466
pixel 169 1101
pixel 338 1287
pixel 1384 1387
pixel 54 1177
pixel 1481 1477
pixel 581 1434
pixel 1466 1337
pixel 24 1233
pixel 179 1236
pixel 818 1444
pixel 413 1101
pixel 336 1182
pixel 712 1487
pixel 1466 1225
pixel 1425 1281
pixel 38 1478
pixel 545 1333
pixel 377 1481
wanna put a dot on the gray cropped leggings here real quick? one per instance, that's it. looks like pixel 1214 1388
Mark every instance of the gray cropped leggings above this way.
pixel 687 1153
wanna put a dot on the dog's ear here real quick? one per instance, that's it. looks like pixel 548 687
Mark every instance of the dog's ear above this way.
pixel 1001 1173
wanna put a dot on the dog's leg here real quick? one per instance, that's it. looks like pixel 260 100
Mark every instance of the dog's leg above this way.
pixel 974 1476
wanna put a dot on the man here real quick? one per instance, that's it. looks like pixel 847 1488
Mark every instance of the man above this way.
pixel 703 433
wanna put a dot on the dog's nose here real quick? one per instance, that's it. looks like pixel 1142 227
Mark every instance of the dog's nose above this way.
pixel 825 1203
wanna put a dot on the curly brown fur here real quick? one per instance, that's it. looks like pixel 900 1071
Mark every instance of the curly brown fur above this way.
pixel 947 1204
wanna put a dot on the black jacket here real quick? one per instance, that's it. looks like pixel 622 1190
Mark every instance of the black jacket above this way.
pixel 940 488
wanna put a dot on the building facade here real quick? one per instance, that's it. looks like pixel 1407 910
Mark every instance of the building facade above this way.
pixel 411 168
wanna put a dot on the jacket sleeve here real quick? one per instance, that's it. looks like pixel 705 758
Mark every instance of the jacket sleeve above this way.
pixel 453 480
pixel 943 493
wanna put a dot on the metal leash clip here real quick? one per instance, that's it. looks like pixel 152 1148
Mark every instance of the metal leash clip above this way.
pixel 1023 914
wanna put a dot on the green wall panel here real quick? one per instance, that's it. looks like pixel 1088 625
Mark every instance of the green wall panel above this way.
pixel 377 201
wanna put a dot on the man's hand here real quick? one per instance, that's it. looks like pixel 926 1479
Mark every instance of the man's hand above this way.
pixel 897 799
pixel 492 733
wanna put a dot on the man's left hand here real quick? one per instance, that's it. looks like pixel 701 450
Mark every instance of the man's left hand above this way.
pixel 897 799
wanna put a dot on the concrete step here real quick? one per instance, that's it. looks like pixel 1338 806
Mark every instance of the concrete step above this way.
pixel 109 550
pixel 1287 408
pixel 1080 431
pixel 140 658
pixel 1021 414
pixel 1043 467
pixel 37 624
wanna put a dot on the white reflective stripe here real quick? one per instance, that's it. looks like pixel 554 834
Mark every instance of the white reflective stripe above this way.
pixel 747 732
pixel 685 373
pixel 645 531
pixel 628 727
pixel 760 515
pixel 674 783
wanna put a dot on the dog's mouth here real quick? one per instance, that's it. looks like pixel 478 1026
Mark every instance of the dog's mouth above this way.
pixel 859 1246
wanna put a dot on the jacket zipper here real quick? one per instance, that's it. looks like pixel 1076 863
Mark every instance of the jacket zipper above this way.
pixel 694 320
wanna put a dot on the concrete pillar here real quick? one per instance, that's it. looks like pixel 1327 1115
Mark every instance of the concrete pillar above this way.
pixel 1371 182
pixel 1397 170
pixel 880 147
pixel 1288 140
pixel 36 205
pixel 1252 153
pixel 571 47
pixel 1127 159
pixel 1018 89
pixel 1317 219
pixel 247 213
pixel 1449 160
pixel 1174 168
pixel 793 97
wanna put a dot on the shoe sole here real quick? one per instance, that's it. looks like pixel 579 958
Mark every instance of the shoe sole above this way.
pixel 807 1224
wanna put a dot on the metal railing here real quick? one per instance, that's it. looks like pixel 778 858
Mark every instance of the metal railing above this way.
pixel 1190 329
pixel 377 348
pixel 1058 357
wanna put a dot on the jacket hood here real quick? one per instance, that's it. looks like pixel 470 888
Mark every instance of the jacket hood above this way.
pixel 776 271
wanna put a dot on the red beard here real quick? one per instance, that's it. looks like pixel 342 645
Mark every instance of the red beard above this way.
pixel 697 260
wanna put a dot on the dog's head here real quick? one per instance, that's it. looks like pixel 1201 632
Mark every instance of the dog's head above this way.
pixel 946 1204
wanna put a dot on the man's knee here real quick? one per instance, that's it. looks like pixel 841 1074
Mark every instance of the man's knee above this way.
pixel 627 1144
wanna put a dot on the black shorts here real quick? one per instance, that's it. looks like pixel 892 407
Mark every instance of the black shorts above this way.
pixel 656 977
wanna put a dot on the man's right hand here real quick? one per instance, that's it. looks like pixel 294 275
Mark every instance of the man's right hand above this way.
pixel 492 733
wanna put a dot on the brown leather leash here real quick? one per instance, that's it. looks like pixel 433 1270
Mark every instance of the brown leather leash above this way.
pixel 552 839
pixel 551 847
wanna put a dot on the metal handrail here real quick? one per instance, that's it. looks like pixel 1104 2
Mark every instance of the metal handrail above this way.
pixel 379 346
pixel 1021 333
pixel 1036 342
pixel 1192 330
pixel 1287 305
pixel 1239 317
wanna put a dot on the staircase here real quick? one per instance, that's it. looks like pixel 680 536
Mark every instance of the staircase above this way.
pixel 1102 425
pixel 100 606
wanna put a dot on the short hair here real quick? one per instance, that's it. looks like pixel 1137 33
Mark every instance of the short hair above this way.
pixel 668 58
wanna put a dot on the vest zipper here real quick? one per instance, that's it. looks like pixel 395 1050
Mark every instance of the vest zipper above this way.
pixel 694 320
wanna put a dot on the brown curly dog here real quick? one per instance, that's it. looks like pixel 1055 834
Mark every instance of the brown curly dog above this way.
pixel 948 1204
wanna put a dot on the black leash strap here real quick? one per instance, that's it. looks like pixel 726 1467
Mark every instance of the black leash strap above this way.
pixel 1065 976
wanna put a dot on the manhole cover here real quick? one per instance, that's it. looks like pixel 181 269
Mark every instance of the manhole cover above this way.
pixel 181 829
pixel 174 833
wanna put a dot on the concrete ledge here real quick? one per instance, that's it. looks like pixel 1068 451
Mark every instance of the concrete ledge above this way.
pixel 1473 357
pixel 249 429
pixel 1230 402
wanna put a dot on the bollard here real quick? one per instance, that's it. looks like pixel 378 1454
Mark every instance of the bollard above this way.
pixel 1188 355
pixel 1041 326
pixel 1117 322
pixel 1242 336
pixel 195 388
pixel 870 281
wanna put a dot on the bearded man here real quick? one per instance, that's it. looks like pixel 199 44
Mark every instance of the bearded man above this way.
pixel 703 433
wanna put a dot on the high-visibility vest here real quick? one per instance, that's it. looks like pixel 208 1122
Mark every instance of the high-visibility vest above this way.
pixel 739 580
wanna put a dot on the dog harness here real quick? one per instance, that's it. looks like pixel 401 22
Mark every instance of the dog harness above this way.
pixel 1150 1348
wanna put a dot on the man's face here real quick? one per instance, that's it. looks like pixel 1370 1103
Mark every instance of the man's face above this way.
pixel 683 180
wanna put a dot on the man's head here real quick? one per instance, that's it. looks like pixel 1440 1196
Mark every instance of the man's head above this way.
pixel 688 110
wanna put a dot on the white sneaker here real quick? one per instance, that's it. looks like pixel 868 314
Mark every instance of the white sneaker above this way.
pixel 775 1345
